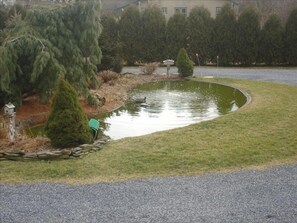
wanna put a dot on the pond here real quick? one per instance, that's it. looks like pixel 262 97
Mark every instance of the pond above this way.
pixel 170 105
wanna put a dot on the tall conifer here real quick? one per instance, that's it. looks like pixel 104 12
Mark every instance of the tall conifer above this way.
pixel 199 34
pixel 248 33
pixel 291 38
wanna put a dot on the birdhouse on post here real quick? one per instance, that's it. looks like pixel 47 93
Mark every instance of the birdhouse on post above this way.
pixel 9 109
pixel 168 63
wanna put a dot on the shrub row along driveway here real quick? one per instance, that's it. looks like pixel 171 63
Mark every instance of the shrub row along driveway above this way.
pixel 244 196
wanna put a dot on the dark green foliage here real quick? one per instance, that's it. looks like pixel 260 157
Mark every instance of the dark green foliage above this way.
pixel 130 27
pixel 67 124
pixel 176 35
pixel 118 64
pixel 17 9
pixel 248 34
pixel 200 26
pixel 224 36
pixel 3 18
pixel 271 43
pixel 184 64
pixel 291 38
pixel 50 41
pixel 109 42
pixel 153 35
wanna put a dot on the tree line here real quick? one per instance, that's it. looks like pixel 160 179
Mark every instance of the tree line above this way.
pixel 147 37
pixel 39 44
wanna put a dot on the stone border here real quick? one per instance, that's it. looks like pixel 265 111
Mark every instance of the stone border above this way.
pixel 62 154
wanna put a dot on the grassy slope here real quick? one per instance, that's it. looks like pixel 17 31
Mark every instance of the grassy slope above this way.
pixel 261 133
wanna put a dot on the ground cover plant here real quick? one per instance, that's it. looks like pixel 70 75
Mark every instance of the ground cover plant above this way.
pixel 260 134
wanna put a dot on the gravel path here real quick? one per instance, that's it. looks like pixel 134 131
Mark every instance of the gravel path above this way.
pixel 243 196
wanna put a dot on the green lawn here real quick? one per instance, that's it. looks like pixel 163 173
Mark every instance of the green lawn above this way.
pixel 260 134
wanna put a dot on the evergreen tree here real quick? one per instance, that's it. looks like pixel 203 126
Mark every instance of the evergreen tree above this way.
pixel 28 61
pixel 153 35
pixel 271 43
pixel 176 35
pixel 224 36
pixel 67 124
pixel 48 42
pixel 248 31
pixel 17 9
pixel 130 27
pixel 291 38
pixel 184 63
pixel 109 42
pixel 199 33
pixel 3 18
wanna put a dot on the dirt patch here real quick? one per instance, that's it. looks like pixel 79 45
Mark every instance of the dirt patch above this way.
pixel 115 92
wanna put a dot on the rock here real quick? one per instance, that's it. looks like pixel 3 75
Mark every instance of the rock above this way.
pixel 47 155
pixel 30 156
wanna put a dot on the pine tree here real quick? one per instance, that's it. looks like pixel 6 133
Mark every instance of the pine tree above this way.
pixel 224 36
pixel 291 38
pixel 67 124
pixel 248 32
pixel 50 41
pixel 271 43
pixel 153 35
pixel 109 42
pixel 176 35
pixel 3 18
pixel 130 27
pixel 184 64
pixel 199 34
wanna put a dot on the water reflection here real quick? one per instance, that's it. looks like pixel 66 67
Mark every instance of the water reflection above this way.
pixel 171 105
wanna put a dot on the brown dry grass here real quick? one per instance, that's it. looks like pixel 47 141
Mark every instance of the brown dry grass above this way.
pixel 26 144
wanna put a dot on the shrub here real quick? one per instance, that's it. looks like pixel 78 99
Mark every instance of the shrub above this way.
pixel 108 75
pixel 184 64
pixel 149 68
pixel 118 64
pixel 67 124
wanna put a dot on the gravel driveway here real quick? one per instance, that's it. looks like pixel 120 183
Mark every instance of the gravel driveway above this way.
pixel 242 196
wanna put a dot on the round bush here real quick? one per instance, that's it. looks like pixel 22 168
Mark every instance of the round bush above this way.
pixel 184 64
pixel 67 124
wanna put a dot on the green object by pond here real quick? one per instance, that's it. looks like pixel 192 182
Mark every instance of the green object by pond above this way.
pixel 94 125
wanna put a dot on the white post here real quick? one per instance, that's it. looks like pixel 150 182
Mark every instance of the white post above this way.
pixel 218 64
pixel 197 55
pixel 9 111
pixel 12 131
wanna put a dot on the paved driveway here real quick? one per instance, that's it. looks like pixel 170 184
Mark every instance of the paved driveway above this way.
pixel 278 75
pixel 243 196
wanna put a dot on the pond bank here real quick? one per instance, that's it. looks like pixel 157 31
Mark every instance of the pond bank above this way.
pixel 33 113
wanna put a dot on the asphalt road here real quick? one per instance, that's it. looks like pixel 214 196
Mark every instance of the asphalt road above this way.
pixel 243 196
pixel 278 75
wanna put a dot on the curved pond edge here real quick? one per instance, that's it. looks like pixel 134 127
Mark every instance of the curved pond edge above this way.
pixel 244 92
pixel 82 150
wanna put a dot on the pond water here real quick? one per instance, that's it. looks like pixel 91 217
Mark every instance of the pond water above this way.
pixel 170 105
